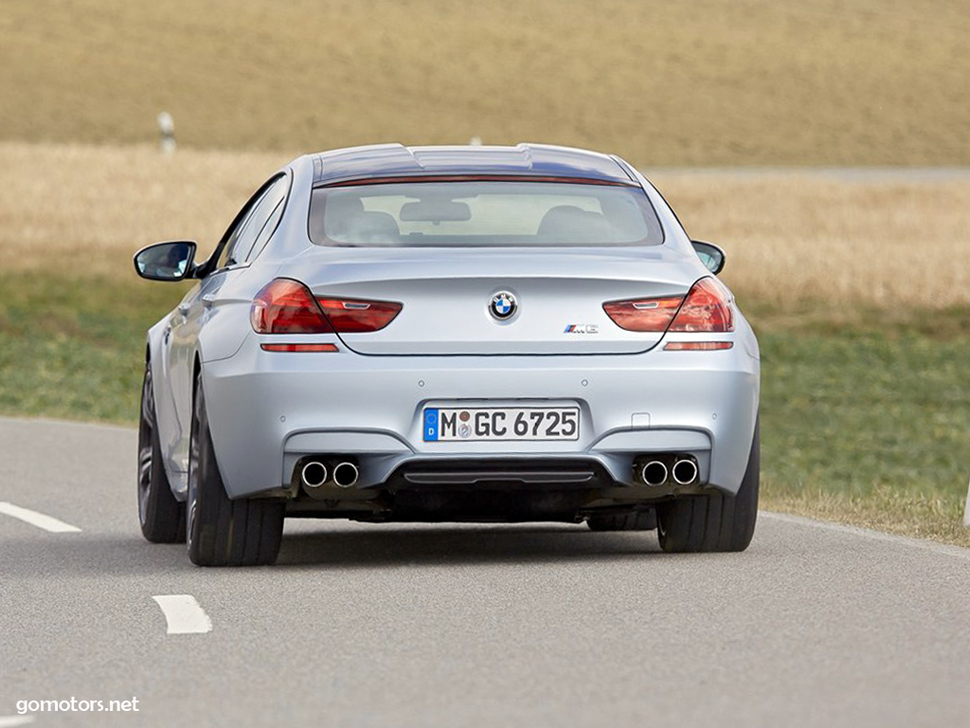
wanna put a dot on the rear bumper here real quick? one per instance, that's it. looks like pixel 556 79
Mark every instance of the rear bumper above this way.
pixel 269 409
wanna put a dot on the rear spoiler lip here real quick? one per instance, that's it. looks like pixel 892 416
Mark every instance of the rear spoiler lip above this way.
pixel 476 177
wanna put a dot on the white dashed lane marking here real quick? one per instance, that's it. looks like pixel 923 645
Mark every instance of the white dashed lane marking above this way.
pixel 183 614
pixel 37 519
pixel 15 720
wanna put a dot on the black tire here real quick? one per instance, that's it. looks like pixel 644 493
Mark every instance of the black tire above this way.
pixel 220 531
pixel 632 521
pixel 162 518
pixel 714 522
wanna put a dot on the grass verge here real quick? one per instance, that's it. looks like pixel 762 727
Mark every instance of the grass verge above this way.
pixel 860 424
pixel 868 426
pixel 73 348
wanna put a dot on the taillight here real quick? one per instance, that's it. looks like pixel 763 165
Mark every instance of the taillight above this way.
pixel 707 309
pixel 644 314
pixel 354 317
pixel 286 306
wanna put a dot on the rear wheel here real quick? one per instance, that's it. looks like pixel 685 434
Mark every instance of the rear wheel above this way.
pixel 220 531
pixel 162 518
pixel 632 521
pixel 714 522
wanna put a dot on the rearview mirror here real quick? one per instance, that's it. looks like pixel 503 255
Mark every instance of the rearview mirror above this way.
pixel 711 256
pixel 436 211
pixel 171 261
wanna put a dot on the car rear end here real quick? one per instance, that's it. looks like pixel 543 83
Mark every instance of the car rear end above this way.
pixel 489 347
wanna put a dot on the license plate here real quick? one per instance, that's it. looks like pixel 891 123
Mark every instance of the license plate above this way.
pixel 467 424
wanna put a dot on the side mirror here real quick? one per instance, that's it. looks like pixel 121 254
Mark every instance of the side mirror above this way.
pixel 711 256
pixel 171 261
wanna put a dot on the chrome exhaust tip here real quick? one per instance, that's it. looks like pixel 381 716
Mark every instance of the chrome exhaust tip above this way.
pixel 314 474
pixel 654 473
pixel 685 472
pixel 345 474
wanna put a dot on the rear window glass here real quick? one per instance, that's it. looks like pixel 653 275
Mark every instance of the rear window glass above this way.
pixel 482 214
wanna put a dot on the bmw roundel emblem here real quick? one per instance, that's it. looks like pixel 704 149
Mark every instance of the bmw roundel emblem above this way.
pixel 503 305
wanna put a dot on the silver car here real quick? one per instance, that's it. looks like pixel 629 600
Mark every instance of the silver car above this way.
pixel 506 334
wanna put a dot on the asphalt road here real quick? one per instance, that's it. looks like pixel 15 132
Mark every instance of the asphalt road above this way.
pixel 389 625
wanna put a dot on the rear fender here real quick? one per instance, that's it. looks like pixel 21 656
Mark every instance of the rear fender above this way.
pixel 169 433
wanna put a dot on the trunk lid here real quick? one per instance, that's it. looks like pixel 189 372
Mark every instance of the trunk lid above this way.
pixel 447 295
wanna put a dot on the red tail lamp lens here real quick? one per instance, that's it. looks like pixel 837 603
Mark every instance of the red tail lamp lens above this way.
pixel 644 314
pixel 707 309
pixel 357 317
pixel 286 306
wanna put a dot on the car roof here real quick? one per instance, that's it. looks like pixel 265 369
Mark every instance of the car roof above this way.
pixel 528 160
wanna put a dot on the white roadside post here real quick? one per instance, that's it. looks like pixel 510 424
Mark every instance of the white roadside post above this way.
pixel 166 130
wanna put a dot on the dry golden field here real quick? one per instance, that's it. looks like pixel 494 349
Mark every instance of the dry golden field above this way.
pixel 792 238
pixel 706 82
pixel 87 209
pixel 832 241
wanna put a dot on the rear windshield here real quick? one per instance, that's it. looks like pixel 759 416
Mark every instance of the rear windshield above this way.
pixel 482 214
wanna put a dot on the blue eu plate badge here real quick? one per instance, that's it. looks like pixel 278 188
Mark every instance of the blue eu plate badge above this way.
pixel 431 425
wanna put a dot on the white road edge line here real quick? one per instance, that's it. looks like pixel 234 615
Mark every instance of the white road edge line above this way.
pixel 183 614
pixel 938 548
pixel 15 720
pixel 37 519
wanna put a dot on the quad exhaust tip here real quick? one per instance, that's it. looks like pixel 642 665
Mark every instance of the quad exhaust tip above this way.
pixel 654 473
pixel 345 474
pixel 685 472
pixel 314 474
